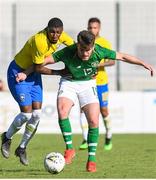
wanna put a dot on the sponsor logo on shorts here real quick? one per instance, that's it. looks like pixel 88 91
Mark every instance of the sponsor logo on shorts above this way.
pixel 22 97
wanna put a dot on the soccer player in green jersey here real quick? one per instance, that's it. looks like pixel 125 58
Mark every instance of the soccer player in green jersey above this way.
pixel 102 84
pixel 82 60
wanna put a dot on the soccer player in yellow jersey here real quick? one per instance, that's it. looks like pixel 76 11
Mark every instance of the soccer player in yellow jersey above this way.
pixel 28 93
pixel 94 26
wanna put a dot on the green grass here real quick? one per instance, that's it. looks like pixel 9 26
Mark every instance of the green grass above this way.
pixel 132 156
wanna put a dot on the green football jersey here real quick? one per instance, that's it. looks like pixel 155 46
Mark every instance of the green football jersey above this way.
pixel 79 69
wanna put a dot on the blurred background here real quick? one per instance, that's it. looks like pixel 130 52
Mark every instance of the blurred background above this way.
pixel 129 25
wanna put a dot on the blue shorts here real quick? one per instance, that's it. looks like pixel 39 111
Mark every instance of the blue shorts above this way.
pixel 25 92
pixel 102 91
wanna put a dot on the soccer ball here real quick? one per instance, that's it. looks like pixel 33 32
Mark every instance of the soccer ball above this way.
pixel 54 162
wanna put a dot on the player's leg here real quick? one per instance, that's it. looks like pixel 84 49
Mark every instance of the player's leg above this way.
pixel 37 98
pixel 32 124
pixel 21 152
pixel 103 99
pixel 90 105
pixel 64 107
pixel 30 129
pixel 92 114
pixel 107 122
pixel 65 101
pixel 26 107
pixel 84 127
pixel 16 125
pixel 20 92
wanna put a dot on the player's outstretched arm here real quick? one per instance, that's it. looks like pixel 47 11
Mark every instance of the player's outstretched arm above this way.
pixel 134 60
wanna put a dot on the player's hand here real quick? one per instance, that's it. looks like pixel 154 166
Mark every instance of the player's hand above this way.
pixel 150 68
pixel 21 77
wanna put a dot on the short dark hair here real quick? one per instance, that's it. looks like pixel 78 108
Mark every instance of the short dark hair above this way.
pixel 55 22
pixel 94 19
pixel 86 38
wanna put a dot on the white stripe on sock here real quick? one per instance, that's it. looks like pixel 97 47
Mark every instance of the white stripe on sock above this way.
pixel 69 142
pixel 92 144
pixel 92 153
pixel 67 133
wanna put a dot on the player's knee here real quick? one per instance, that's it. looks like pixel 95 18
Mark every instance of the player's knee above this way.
pixel 93 123
pixel 21 119
pixel 63 112
pixel 36 116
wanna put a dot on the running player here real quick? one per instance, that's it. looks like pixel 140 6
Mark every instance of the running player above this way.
pixel 94 26
pixel 28 93
pixel 82 60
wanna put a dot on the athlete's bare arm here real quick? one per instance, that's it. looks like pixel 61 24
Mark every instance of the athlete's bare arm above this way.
pixel 134 60
pixel 40 68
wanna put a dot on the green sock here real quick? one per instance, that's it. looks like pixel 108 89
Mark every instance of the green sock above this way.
pixel 93 135
pixel 67 132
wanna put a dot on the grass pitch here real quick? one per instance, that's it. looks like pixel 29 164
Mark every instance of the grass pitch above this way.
pixel 132 156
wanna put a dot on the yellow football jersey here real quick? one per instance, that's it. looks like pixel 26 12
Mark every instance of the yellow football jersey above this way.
pixel 102 77
pixel 38 47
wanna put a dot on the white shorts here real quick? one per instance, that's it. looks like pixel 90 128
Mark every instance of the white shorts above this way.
pixel 85 91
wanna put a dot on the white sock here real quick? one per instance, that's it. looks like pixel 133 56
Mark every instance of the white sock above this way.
pixel 31 127
pixel 84 125
pixel 17 123
pixel 108 125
